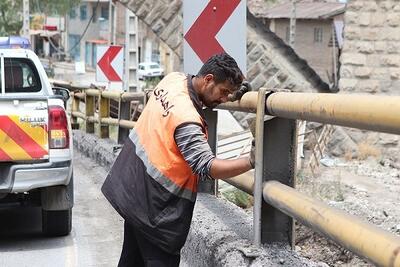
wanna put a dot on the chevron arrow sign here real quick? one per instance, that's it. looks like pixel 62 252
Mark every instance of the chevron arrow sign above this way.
pixel 211 27
pixel 109 63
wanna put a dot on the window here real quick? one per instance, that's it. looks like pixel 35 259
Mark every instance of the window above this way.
pixel 104 12
pixel 83 14
pixel 72 13
pixel 94 55
pixel 73 44
pixel 88 48
pixel 21 76
pixel 154 66
pixel 94 14
pixel 317 35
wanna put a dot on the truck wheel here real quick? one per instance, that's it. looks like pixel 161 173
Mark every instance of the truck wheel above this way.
pixel 59 222
pixel 56 222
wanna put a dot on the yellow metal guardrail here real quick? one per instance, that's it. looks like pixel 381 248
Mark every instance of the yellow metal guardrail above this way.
pixel 369 112
pixel 98 109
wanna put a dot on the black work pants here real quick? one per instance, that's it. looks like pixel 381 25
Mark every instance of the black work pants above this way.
pixel 137 251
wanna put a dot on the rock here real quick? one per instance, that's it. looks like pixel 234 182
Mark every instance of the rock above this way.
pixel 388 140
pixel 385 213
pixel 341 144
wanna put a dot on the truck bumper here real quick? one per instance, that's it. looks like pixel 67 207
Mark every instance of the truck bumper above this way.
pixel 25 177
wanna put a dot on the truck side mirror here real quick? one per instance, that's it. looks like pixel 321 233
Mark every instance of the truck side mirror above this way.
pixel 63 92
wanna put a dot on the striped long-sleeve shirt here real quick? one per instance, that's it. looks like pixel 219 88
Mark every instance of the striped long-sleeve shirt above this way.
pixel 195 149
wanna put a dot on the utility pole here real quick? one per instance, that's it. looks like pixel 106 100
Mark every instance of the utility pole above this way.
pixel 25 27
pixel 112 21
pixel 131 52
pixel 292 25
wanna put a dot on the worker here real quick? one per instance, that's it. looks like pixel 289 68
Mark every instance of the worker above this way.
pixel 153 182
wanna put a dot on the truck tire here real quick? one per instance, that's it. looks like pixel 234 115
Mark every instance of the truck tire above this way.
pixel 56 222
pixel 59 222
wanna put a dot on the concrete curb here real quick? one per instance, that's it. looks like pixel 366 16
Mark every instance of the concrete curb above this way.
pixel 220 233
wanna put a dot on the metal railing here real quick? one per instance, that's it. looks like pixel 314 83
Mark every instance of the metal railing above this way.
pixel 369 112
pixel 98 109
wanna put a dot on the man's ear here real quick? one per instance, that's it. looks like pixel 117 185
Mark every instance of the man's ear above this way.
pixel 208 77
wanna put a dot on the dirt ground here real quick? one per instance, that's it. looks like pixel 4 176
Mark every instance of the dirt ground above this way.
pixel 368 189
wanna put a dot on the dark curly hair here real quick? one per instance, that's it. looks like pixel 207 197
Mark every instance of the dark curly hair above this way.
pixel 224 68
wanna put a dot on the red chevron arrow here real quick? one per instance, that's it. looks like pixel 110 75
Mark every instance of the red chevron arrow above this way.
pixel 105 63
pixel 201 36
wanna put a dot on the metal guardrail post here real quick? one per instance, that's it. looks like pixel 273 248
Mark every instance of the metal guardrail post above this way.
pixel 210 186
pixel 124 110
pixel 89 112
pixel 280 148
pixel 104 112
pixel 276 146
pixel 259 166
pixel 74 107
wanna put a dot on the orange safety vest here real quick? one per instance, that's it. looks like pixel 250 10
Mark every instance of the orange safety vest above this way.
pixel 150 184
pixel 169 107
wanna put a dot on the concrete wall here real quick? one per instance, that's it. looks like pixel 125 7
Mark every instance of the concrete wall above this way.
pixel 371 53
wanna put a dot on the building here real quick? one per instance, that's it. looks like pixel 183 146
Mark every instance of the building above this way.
pixel 318 32
pixel 85 34
pixel 83 37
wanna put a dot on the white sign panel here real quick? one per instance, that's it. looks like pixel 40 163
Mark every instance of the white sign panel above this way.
pixel 110 63
pixel 211 27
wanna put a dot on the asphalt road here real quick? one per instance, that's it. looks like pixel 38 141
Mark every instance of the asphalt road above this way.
pixel 95 239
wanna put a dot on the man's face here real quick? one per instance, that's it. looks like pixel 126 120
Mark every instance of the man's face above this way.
pixel 215 93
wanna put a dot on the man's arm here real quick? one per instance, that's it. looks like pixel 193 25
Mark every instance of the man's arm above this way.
pixel 194 147
pixel 223 169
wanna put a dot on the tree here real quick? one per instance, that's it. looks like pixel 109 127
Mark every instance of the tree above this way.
pixel 53 7
pixel 11 12
pixel 10 17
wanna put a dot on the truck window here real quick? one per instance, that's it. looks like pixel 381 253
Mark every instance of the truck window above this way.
pixel 21 76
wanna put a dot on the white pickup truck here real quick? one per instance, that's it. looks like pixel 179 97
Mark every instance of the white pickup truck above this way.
pixel 35 141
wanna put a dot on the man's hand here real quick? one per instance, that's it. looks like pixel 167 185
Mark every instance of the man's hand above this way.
pixel 237 95
pixel 252 157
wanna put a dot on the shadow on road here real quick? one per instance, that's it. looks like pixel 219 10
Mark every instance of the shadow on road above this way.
pixel 21 229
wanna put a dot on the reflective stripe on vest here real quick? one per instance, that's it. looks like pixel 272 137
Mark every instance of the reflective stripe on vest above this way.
pixel 168 107
pixel 156 174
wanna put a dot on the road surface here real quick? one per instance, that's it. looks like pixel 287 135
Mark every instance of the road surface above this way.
pixel 96 235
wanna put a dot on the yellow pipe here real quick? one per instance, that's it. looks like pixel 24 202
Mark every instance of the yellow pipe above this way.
pixel 109 121
pixel 127 124
pixel 115 95
pixel 93 92
pixel 79 95
pixel 244 182
pixel 369 112
pixel 129 96
pixel 248 103
pixel 364 239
